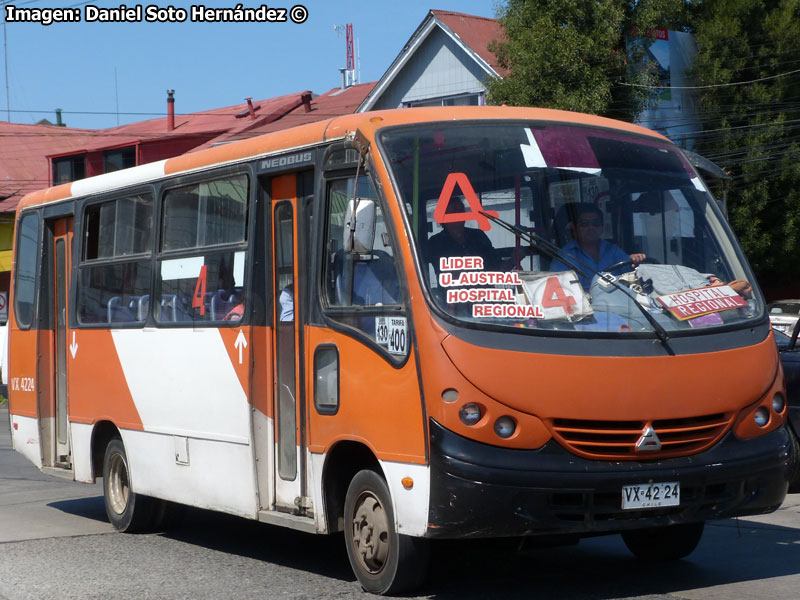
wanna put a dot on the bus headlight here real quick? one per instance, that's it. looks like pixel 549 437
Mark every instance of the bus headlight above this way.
pixel 761 416
pixel 778 403
pixel 470 414
pixel 505 427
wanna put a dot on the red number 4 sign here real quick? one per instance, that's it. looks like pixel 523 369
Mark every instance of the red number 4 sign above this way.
pixel 441 215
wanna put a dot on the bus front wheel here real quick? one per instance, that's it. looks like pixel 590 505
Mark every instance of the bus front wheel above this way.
pixel 126 510
pixel 664 543
pixel 384 561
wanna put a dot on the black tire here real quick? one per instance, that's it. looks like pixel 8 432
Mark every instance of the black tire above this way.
pixel 664 543
pixel 384 561
pixel 127 511
pixel 794 463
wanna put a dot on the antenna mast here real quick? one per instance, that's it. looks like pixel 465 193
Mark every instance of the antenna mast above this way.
pixel 351 63
pixel 349 72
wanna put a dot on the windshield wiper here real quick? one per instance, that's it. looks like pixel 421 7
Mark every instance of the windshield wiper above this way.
pixel 554 251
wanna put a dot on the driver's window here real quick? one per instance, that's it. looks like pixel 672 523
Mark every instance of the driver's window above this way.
pixel 358 279
pixel 362 290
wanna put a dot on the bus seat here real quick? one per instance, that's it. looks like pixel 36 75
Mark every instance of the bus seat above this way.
pixel 168 307
pixel 142 306
pixel 119 312
pixel 374 280
pixel 221 307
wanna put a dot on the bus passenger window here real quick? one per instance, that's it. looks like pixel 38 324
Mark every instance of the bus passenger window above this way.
pixel 203 253
pixel 115 271
pixel 25 277
pixel 362 290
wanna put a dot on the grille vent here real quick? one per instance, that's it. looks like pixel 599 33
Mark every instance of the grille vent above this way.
pixel 618 439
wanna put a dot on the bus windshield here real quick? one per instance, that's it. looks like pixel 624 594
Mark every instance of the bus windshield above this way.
pixel 558 227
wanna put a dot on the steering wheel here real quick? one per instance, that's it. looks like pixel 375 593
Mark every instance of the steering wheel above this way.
pixel 622 263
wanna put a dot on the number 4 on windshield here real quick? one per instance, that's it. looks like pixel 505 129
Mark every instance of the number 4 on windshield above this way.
pixel 554 296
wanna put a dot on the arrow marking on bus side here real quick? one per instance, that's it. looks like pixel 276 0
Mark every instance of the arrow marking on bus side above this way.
pixel 240 343
pixel 73 347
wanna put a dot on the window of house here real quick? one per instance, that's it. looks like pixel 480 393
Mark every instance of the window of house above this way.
pixel 121 158
pixel 461 100
pixel 69 168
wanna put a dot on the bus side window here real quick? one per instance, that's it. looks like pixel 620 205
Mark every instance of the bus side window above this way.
pixel 28 256
pixel 203 252
pixel 360 288
pixel 115 271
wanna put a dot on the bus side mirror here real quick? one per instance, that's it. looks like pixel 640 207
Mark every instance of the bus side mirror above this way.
pixel 359 226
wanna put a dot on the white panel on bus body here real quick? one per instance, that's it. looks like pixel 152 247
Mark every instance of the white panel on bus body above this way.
pixel 82 452
pixel 25 438
pixel 410 505
pixel 118 179
pixel 219 477
pixel 183 383
pixel 264 447
pixel 316 465
pixel 288 490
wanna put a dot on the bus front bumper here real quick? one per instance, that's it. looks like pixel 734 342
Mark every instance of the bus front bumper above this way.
pixel 479 490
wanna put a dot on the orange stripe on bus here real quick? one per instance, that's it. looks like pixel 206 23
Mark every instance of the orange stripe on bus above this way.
pixel 97 385
pixel 239 346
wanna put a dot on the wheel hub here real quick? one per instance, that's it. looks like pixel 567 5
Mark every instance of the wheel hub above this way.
pixel 371 532
pixel 118 484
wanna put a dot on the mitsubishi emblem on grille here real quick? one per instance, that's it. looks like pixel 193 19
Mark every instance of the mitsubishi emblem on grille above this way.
pixel 649 441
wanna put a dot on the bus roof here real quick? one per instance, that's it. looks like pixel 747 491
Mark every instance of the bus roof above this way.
pixel 306 135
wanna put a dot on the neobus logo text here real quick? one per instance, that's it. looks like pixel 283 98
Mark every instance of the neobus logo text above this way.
pixel 287 161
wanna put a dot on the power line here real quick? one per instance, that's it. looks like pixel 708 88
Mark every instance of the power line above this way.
pixel 705 87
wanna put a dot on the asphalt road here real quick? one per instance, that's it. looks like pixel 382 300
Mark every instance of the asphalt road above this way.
pixel 56 544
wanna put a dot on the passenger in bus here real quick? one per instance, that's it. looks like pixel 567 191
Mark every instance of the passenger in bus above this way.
pixel 456 239
pixel 236 313
pixel 286 302
pixel 588 246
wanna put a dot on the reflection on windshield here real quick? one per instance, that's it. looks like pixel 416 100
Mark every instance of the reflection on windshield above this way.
pixel 555 227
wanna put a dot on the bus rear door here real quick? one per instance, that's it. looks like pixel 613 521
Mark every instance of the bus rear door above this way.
pixel 60 283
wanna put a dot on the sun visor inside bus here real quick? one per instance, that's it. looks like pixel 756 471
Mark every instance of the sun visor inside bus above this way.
pixel 616 154
pixel 62 209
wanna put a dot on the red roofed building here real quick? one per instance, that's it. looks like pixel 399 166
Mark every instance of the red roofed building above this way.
pixel 24 168
pixel 38 156
pixel 446 62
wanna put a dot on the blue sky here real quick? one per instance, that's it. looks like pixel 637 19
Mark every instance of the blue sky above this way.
pixel 209 65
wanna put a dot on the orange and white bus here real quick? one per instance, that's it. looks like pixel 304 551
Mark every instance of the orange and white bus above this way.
pixel 387 324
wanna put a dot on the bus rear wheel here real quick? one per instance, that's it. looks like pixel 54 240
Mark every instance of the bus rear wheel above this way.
pixel 664 543
pixel 384 561
pixel 126 510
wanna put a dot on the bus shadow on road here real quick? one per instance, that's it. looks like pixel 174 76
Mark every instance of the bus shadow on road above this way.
pixel 739 554
pixel 90 508
pixel 731 553
pixel 320 554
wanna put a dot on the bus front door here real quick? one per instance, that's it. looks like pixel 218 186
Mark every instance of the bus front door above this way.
pixel 288 410
pixel 62 255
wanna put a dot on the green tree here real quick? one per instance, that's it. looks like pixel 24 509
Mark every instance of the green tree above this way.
pixel 749 57
pixel 573 54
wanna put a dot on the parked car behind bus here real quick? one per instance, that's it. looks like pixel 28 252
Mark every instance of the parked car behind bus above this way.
pixel 783 314
pixel 790 357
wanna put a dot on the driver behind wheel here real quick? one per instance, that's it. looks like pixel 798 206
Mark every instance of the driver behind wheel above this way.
pixel 588 247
